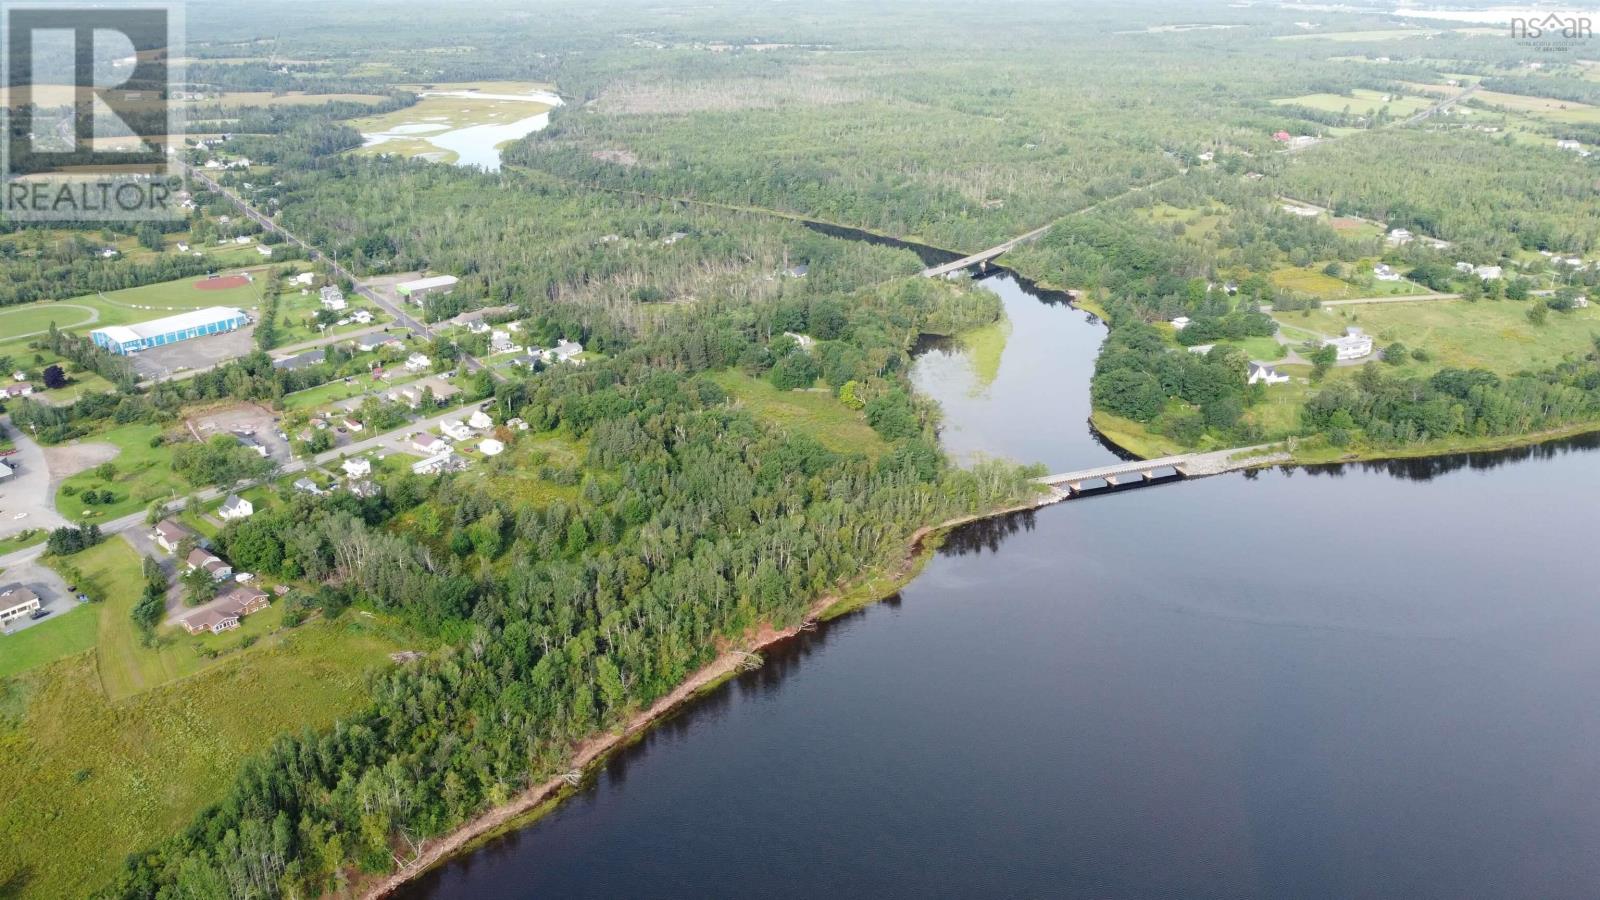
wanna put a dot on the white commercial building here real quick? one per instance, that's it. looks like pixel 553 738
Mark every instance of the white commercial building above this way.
pixel 123 339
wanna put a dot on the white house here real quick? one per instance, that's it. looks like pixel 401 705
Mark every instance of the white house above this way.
pixel 441 462
pixel 1354 345
pixel 1265 373
pixel 359 467
pixel 1580 302
pixel 169 534
pixel 1464 267
pixel 501 342
pixel 417 362
pixel 235 507
pixel 491 447
pixel 563 351
pixel 305 279
pixel 182 246
pixel 430 444
pixel 1399 236
pixel 1383 272
pixel 1488 273
pixel 1180 323
pixel 263 249
pixel 307 486
pixel 456 430
pixel 480 420
pixel 362 317
pixel 333 298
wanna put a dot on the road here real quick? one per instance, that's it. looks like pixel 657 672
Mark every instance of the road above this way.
pixel 1392 298
pixel 397 310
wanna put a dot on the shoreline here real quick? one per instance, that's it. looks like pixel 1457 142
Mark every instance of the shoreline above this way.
pixel 519 811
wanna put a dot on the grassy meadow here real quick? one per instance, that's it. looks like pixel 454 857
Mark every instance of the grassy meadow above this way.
pixel 817 413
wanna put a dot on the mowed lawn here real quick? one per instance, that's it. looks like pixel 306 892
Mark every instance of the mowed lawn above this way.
pixel 88 780
pixel 143 473
pixel 817 413
pixel 1488 334
pixel 63 634
pixel 1313 282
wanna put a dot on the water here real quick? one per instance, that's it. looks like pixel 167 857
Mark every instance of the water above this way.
pixel 1369 681
pixel 474 145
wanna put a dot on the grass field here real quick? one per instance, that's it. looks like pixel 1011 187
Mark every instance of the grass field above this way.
pixel 1312 281
pixel 143 473
pixel 333 391
pixel 1361 102
pixel 22 539
pixel 406 132
pixel 63 634
pixel 1494 335
pixel 515 476
pixel 139 304
pixel 817 413
pixel 89 780
pixel 1541 107
pixel 1383 34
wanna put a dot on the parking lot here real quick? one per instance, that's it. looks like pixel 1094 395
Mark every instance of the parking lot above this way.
pixel 199 353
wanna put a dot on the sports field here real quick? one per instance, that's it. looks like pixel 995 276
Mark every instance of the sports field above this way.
pixel 152 301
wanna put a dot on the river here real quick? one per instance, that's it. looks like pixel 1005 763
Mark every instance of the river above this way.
pixel 1374 680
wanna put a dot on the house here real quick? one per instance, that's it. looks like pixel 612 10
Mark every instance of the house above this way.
pixel 370 342
pixel 1383 272
pixel 1464 268
pixel 799 271
pixel 1180 323
pixel 501 342
pixel 1399 237
pixel 430 444
pixel 210 619
pixel 1281 137
pixel 439 462
pixel 182 247
pixel 517 423
pixel 304 279
pixel 17 601
pixel 359 467
pixel 235 507
pixel 249 442
pixel 5 471
pixel 215 566
pixel 1305 212
pixel 353 424
pixel 306 486
pixel 1354 345
pixel 1489 273
pixel 224 613
pixel 480 420
pixel 456 430
pixel 363 488
pixel 563 351
pixel 1207 156
pixel 16 390
pixel 1201 348
pixel 19 376
pixel 242 239
pixel 478 326
pixel 332 298
pixel 1574 146
pixel 263 249
pixel 169 534
pixel 1264 373
pixel 491 447
pixel 418 362
pixel 108 253
pixel 362 317
pixel 1580 302
pixel 301 360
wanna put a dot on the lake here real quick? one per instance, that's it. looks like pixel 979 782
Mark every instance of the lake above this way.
pixel 1374 680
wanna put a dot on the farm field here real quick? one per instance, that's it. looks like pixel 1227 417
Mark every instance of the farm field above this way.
pixel 286 98
pixel 1544 108
pixel 1493 335
pixel 818 413
pixel 1361 102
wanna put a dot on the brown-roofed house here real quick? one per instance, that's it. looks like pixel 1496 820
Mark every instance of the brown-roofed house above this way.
pixel 169 534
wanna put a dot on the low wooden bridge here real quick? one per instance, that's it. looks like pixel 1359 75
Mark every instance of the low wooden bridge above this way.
pixel 981 258
pixel 1164 468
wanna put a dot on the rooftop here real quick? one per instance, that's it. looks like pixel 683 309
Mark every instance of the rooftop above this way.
pixel 180 322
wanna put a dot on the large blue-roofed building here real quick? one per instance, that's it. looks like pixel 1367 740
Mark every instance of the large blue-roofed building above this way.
pixel 123 339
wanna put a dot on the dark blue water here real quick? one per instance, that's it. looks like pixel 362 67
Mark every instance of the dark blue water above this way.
pixel 1369 682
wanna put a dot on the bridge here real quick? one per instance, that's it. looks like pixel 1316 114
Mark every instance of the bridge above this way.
pixel 1164 468
pixel 982 257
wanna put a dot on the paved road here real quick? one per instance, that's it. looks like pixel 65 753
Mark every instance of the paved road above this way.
pixel 397 310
